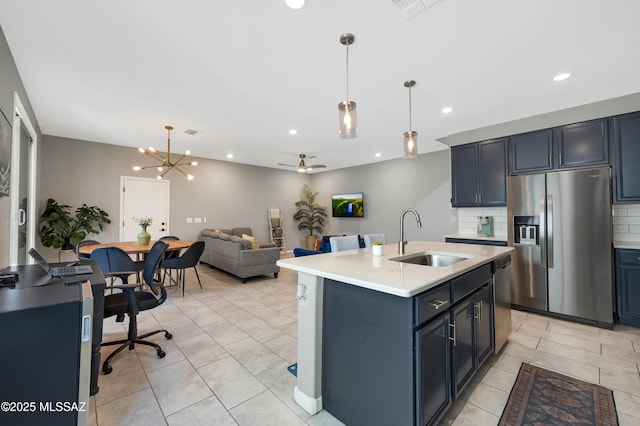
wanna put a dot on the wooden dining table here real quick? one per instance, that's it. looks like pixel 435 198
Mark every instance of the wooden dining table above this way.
pixel 132 247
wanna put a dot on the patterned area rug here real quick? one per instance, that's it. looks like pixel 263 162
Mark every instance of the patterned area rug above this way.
pixel 543 397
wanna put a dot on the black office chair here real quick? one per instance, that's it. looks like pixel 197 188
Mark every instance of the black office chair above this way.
pixel 82 244
pixel 189 259
pixel 131 302
pixel 116 263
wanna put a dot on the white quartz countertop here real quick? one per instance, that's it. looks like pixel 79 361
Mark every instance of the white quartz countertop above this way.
pixel 633 245
pixel 359 267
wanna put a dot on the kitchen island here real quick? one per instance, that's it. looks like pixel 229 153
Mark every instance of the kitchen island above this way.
pixel 367 330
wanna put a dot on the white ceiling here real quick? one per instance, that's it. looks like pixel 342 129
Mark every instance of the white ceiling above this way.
pixel 243 73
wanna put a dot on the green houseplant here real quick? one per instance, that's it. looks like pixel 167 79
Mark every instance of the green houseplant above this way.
pixel 61 229
pixel 309 215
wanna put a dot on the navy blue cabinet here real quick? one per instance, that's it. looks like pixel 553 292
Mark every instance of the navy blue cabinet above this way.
pixel 390 360
pixel 572 146
pixel 626 158
pixel 531 152
pixel 583 144
pixel 433 378
pixel 472 324
pixel 628 286
pixel 479 174
pixel 464 175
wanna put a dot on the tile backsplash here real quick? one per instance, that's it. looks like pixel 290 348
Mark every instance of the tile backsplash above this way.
pixel 626 222
pixel 468 219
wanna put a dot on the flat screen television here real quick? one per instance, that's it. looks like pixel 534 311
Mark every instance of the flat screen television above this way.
pixel 347 205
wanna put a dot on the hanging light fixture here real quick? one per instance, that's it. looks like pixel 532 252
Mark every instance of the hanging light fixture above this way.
pixel 348 124
pixel 165 162
pixel 410 137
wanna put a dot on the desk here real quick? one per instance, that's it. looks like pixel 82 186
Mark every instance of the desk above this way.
pixel 132 247
pixel 39 322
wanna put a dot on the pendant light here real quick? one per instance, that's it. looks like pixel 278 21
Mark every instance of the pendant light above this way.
pixel 410 137
pixel 348 124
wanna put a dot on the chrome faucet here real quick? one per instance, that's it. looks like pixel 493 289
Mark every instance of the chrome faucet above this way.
pixel 402 241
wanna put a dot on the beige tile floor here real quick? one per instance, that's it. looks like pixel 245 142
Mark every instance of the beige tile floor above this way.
pixel 226 364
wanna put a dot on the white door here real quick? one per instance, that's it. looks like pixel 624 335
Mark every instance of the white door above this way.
pixel 22 185
pixel 143 197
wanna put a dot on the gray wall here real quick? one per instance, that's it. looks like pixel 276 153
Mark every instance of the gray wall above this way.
pixel 228 194
pixel 10 82
pixel 606 108
pixel 231 194
pixel 389 187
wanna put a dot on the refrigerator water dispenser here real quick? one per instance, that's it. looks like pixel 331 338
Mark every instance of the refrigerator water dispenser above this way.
pixel 526 230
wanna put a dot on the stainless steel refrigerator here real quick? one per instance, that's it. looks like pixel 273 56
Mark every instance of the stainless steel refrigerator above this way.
pixel 560 226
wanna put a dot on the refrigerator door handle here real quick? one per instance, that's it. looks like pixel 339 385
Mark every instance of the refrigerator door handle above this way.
pixel 542 234
pixel 550 230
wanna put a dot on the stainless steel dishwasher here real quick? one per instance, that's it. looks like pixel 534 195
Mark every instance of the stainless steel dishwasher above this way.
pixel 502 298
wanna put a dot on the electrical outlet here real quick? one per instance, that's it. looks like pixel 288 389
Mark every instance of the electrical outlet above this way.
pixel 189 220
pixel 197 220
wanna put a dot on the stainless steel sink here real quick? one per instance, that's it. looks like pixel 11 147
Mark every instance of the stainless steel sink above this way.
pixel 429 259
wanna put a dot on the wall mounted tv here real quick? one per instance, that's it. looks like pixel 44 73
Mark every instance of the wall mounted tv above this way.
pixel 347 205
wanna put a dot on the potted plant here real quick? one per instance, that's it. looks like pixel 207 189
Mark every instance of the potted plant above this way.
pixel 377 248
pixel 61 229
pixel 310 215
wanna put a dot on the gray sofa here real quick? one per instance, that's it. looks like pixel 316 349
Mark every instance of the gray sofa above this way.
pixel 229 252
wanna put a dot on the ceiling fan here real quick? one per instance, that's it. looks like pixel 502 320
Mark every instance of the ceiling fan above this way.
pixel 302 167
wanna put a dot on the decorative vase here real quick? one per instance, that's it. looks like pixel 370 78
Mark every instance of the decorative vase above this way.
pixel 376 250
pixel 144 237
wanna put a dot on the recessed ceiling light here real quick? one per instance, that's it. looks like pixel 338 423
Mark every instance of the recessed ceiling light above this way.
pixel 378 154
pixel 446 110
pixel 191 132
pixel 293 132
pixel 562 76
pixel 294 4
pixel 229 155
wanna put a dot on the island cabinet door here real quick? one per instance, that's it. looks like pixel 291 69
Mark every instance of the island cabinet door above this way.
pixel 483 313
pixel 433 378
pixel 462 340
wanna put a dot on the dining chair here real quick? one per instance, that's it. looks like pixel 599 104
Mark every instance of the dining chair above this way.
pixel 369 239
pixel 168 255
pixel 135 298
pixel 116 263
pixel 84 243
pixel 189 259
pixel 347 242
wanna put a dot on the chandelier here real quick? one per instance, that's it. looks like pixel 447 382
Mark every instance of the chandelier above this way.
pixel 165 162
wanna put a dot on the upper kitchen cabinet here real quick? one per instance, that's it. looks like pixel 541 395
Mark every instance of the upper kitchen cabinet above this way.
pixel 479 174
pixel 531 152
pixel 626 158
pixel 582 144
pixel 566 147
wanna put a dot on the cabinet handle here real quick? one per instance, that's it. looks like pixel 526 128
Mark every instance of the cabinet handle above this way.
pixel 478 313
pixel 437 304
pixel 453 336
pixel 560 158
